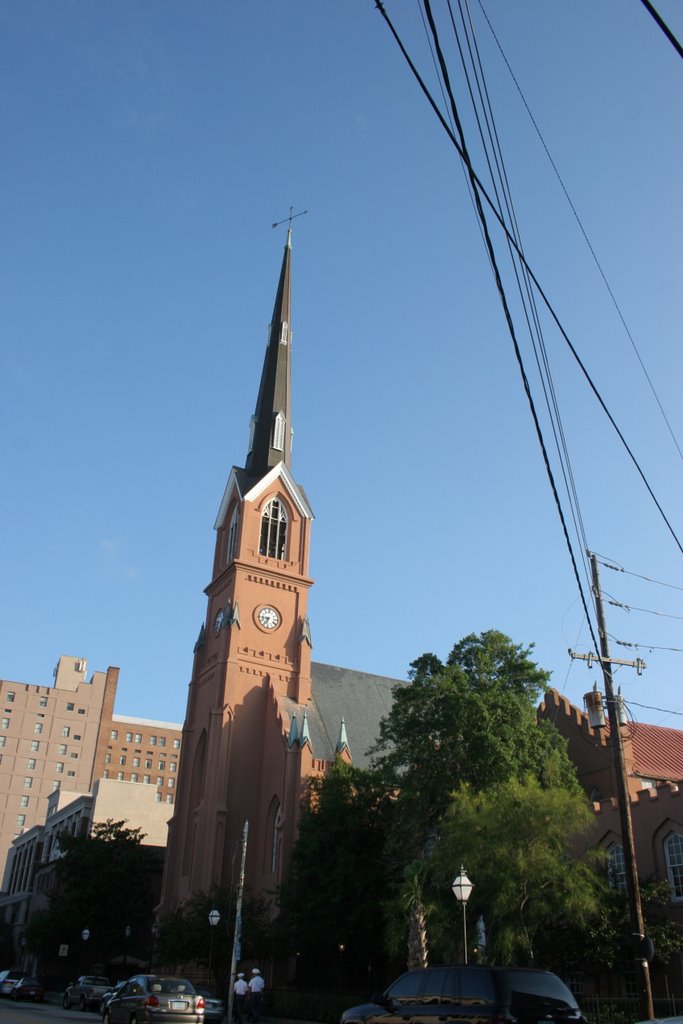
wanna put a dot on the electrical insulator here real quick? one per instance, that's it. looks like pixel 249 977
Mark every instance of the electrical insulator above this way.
pixel 620 705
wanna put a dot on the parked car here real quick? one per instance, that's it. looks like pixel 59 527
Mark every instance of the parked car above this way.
pixel 470 994
pixel 106 996
pixel 8 980
pixel 28 988
pixel 153 998
pixel 86 992
pixel 214 1006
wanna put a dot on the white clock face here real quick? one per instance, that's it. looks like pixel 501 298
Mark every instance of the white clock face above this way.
pixel 269 618
pixel 218 621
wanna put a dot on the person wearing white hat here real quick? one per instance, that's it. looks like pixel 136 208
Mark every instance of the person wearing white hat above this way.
pixel 256 987
pixel 240 990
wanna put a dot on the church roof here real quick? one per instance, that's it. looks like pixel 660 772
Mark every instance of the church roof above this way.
pixel 657 751
pixel 360 699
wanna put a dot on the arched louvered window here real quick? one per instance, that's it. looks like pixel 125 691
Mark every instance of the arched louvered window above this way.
pixel 273 530
pixel 284 333
pixel 232 533
pixel 616 867
pixel 279 432
pixel 673 851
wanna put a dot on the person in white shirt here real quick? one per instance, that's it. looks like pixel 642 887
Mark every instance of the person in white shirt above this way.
pixel 241 988
pixel 256 987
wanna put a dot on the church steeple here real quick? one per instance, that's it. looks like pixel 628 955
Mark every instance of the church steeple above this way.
pixel 270 439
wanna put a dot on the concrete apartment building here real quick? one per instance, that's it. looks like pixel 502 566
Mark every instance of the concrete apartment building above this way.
pixel 67 736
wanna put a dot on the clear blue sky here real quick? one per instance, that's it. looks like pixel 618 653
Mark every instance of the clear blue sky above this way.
pixel 148 147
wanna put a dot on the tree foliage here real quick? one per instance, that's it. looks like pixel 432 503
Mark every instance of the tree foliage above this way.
pixel 514 840
pixel 338 878
pixel 104 885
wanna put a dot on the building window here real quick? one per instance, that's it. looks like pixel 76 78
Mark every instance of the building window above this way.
pixel 169 798
pixel 171 783
pixel 35 744
pixel 69 707
pixel 55 784
pixel 145 779
pixel 42 702
pixel 24 801
pixel 673 851
pixel 273 530
pixel 148 763
pixel 616 867
pixel 31 764
pixel 72 775
pixel 133 776
pixel 160 780
pixel 152 741
pixel 176 744
pixel 122 759
pixel 136 762
pixel 162 766
pixel 9 697
pixel 279 432
pixel 157 797
pixel 21 820
pixel 28 782
pixel 114 734
pixel 38 728
pixel 172 766
pixel 5 723
pixel 162 741
pixel 73 755
pixel 129 737
pixel 66 730
pixel 232 532
pixel 119 776
pixel 105 774
pixel 107 758
pixel 81 711
pixel 62 748
pixel 60 767
pixel 76 736
pixel 2 740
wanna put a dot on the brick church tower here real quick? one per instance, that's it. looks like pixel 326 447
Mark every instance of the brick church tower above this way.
pixel 243 755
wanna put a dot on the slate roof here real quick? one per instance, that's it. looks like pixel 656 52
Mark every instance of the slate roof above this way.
pixel 657 751
pixel 360 698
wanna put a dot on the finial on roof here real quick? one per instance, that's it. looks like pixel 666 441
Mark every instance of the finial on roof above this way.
pixel 342 742
pixel 305 735
pixel 293 732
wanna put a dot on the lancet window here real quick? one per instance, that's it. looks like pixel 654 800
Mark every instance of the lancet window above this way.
pixel 273 530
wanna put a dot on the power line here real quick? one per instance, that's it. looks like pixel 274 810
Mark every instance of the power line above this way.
pixel 480 192
pixel 615 567
pixel 664 27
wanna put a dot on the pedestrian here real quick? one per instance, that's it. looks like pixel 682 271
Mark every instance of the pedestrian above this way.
pixel 256 987
pixel 241 988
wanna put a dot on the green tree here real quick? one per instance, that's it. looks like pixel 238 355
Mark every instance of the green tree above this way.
pixel 104 884
pixel 338 881
pixel 514 840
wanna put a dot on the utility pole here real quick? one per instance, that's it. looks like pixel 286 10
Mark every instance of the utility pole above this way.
pixel 237 938
pixel 632 884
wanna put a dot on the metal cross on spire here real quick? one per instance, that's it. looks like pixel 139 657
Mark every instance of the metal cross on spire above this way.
pixel 288 220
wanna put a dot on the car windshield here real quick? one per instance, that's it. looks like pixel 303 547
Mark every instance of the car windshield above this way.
pixel 30 981
pixel 537 987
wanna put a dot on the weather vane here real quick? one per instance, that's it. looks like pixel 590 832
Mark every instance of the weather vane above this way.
pixel 292 216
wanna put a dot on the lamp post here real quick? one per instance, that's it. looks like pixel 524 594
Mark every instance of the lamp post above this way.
pixel 85 935
pixel 342 947
pixel 214 918
pixel 462 887
pixel 126 936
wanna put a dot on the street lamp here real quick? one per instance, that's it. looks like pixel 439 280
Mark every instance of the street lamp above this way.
pixel 85 935
pixel 462 888
pixel 214 918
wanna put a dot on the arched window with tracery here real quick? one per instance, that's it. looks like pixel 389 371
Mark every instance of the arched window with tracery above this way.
pixel 277 839
pixel 273 530
pixel 673 852
pixel 616 867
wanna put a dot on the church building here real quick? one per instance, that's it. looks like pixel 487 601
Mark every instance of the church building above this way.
pixel 262 717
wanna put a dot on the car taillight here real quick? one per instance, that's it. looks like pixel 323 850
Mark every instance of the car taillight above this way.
pixel 151 1001
pixel 200 1004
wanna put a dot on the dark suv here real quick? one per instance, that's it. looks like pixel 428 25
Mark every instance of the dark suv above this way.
pixel 478 995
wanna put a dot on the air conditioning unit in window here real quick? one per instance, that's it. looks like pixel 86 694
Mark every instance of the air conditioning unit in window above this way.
pixel 81 665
